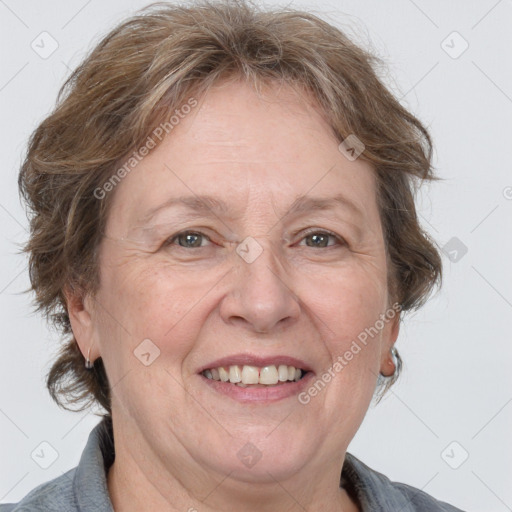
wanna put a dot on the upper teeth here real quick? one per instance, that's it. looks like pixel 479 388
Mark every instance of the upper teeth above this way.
pixel 253 375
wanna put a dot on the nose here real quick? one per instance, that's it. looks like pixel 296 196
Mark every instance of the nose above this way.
pixel 260 297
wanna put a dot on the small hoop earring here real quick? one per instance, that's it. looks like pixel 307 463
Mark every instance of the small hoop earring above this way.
pixel 88 363
pixel 394 358
pixel 394 353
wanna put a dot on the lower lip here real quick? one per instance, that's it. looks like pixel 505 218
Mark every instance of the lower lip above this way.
pixel 260 395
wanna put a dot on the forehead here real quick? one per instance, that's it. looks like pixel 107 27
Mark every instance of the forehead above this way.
pixel 243 149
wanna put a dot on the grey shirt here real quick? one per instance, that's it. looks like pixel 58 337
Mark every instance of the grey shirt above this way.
pixel 84 488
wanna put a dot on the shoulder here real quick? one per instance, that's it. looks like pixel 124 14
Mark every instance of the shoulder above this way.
pixel 376 491
pixel 83 488
pixel 54 495
pixel 422 501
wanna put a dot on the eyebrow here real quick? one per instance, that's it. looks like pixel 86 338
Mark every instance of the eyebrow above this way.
pixel 308 203
pixel 204 204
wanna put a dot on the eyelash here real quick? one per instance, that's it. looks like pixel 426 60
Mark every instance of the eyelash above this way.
pixel 341 241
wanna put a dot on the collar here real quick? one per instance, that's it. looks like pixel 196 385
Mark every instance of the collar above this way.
pixel 90 479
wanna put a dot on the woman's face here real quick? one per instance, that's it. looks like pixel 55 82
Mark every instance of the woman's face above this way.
pixel 283 265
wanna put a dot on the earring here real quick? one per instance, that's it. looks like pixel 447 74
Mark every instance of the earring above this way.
pixel 88 363
pixel 394 358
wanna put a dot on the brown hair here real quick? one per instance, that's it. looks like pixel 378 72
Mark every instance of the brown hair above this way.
pixel 136 77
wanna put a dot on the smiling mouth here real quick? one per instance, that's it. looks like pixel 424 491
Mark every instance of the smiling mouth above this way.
pixel 254 376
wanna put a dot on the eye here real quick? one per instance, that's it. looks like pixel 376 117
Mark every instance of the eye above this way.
pixel 320 239
pixel 187 239
pixel 194 239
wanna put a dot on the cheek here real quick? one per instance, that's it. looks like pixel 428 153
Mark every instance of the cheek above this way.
pixel 347 300
pixel 158 302
pixel 346 308
pixel 140 305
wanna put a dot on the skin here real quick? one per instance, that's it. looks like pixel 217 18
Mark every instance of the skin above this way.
pixel 176 438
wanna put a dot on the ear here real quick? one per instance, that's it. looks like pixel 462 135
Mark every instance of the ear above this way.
pixel 81 315
pixel 389 338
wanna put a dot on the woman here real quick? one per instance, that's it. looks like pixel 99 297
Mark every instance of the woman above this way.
pixel 223 226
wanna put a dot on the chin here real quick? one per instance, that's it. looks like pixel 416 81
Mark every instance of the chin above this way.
pixel 263 456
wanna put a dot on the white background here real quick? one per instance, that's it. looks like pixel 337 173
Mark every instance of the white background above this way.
pixel 456 383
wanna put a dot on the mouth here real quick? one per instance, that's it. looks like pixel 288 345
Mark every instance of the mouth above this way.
pixel 253 376
pixel 256 379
